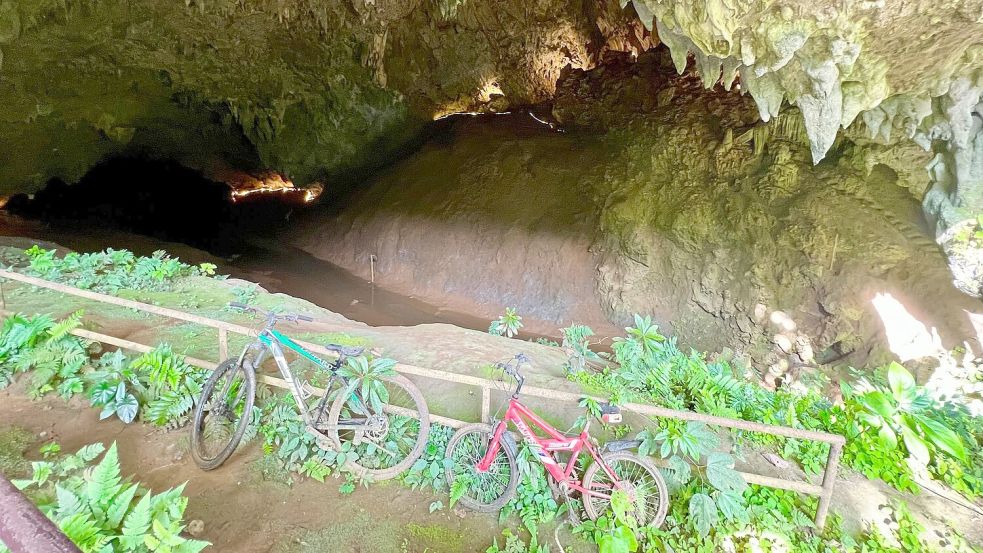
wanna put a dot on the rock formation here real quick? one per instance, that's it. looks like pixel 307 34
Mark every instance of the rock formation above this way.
pixel 663 198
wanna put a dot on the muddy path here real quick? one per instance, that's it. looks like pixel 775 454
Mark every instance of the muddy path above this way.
pixel 245 512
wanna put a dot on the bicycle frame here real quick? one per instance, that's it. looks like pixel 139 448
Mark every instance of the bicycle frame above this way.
pixel 270 341
pixel 518 414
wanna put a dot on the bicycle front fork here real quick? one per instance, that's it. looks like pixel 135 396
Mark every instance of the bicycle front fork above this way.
pixel 500 438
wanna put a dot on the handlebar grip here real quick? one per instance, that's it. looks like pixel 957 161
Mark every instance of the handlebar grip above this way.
pixel 238 305
pixel 305 318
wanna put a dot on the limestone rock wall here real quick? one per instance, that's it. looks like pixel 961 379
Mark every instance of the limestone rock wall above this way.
pixel 665 199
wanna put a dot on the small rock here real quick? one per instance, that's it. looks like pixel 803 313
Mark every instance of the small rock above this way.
pixel 783 343
pixel 195 528
pixel 779 368
pixel 775 460
pixel 759 312
pixel 43 434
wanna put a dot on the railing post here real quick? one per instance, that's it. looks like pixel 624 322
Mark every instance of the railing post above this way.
pixel 485 404
pixel 223 345
pixel 829 481
pixel 25 529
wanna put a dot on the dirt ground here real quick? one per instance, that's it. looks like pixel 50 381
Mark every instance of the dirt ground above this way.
pixel 243 512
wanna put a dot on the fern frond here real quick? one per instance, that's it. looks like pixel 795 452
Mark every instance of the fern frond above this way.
pixel 120 505
pixel 103 483
pixel 136 524
pixel 83 530
pixel 68 502
pixel 169 406
pixel 65 326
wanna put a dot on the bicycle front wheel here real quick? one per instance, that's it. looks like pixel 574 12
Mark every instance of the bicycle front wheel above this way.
pixel 486 491
pixel 222 414
pixel 635 475
pixel 383 443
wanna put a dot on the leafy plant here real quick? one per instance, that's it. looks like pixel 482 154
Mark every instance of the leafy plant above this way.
pixel 172 386
pixel 514 544
pixel 576 342
pixel 642 342
pixel 906 409
pixel 47 348
pixel 691 446
pixel 533 501
pixel 245 294
pixel 100 511
pixel 159 385
pixel 508 324
pixel 111 270
pixel 428 470
pixel 615 531
pixel 114 387
pixel 364 375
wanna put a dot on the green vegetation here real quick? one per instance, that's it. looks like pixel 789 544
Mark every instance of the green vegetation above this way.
pixel 616 532
pixel 514 544
pixel 893 428
pixel 711 506
pixel 508 324
pixel 576 341
pixel 909 411
pixel 112 270
pixel 428 471
pixel 691 445
pixel 100 511
pixel 46 348
pixel 158 384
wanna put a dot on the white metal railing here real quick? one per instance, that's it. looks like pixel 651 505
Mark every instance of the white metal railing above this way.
pixel 823 491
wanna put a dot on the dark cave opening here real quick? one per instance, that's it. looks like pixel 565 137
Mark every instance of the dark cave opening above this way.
pixel 161 199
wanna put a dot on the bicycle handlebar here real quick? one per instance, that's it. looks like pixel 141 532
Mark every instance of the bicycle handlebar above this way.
pixel 511 368
pixel 270 315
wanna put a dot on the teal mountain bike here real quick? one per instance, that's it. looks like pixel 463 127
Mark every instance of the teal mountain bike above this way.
pixel 384 418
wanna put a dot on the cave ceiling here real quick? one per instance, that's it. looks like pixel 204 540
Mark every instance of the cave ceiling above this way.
pixel 318 88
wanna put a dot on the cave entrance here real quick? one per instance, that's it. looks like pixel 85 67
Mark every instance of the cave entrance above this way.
pixel 161 199
pixel 143 204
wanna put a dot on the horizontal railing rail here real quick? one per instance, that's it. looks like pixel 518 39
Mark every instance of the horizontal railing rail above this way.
pixel 824 491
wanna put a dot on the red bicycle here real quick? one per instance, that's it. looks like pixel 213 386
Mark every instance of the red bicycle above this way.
pixel 482 460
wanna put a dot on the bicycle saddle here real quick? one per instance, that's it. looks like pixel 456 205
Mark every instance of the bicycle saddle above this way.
pixel 344 351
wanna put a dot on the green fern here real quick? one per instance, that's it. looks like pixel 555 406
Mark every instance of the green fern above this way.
pixel 136 524
pixel 40 345
pixel 65 326
pixel 98 509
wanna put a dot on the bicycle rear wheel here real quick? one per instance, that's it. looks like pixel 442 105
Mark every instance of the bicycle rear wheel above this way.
pixel 638 477
pixel 222 413
pixel 389 441
pixel 482 491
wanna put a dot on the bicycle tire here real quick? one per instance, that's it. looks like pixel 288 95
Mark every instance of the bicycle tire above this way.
pixel 421 410
pixel 249 380
pixel 484 431
pixel 594 509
